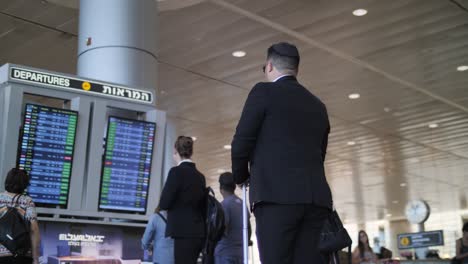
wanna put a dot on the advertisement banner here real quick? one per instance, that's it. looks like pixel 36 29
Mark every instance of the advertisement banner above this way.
pixel 69 243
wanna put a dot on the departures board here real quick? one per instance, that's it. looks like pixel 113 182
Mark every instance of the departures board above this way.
pixel 126 167
pixel 46 149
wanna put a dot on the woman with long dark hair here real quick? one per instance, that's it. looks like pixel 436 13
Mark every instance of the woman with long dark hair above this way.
pixel 183 197
pixel 363 253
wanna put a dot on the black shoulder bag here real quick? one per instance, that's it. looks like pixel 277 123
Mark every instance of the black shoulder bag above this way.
pixel 334 238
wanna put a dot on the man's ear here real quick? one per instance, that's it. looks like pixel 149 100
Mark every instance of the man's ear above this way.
pixel 269 66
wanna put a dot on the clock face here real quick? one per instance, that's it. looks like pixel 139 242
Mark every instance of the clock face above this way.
pixel 417 211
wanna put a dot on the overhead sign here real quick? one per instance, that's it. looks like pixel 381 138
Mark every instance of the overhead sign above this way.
pixel 80 85
pixel 421 239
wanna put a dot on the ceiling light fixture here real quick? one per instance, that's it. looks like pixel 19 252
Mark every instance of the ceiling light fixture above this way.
pixel 351 143
pixel 227 147
pixel 354 96
pixel 389 215
pixel 462 68
pixel 403 184
pixel 395 202
pixel 360 12
pixel 433 125
pixel 194 138
pixel 239 53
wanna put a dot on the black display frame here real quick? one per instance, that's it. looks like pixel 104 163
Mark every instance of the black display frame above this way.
pixel 19 150
pixel 114 210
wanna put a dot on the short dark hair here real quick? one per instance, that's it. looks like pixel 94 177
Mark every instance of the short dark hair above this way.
pixel 284 57
pixel 226 182
pixel 465 227
pixel 16 181
pixel 184 146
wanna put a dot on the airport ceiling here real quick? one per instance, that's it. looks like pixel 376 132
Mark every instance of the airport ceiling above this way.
pixel 405 137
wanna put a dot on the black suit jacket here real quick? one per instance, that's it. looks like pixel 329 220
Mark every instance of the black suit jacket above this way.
pixel 283 136
pixel 183 197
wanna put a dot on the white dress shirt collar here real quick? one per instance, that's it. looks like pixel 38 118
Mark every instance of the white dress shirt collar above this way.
pixel 185 160
pixel 284 75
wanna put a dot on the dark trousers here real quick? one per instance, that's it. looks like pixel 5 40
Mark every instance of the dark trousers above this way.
pixel 289 234
pixel 228 260
pixel 15 260
pixel 187 250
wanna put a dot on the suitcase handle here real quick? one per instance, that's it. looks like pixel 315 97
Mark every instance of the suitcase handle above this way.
pixel 245 226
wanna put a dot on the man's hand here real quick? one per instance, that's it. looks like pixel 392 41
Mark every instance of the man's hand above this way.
pixel 246 184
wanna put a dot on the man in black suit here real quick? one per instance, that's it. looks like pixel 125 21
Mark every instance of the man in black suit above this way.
pixel 282 135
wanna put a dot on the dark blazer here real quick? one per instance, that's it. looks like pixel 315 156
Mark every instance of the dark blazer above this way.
pixel 282 135
pixel 183 197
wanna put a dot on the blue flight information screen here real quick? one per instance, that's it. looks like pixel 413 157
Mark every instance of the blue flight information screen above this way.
pixel 127 165
pixel 46 152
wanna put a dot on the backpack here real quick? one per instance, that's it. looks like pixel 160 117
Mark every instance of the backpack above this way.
pixel 14 230
pixel 215 226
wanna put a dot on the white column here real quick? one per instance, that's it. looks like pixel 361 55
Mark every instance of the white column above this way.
pixel 117 42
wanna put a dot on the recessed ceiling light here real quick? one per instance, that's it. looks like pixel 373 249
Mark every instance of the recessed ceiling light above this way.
pixel 403 184
pixel 360 12
pixel 433 125
pixel 354 96
pixel 395 202
pixel 227 146
pixel 462 68
pixel 239 53
pixel 194 138
pixel 351 143
pixel 389 215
